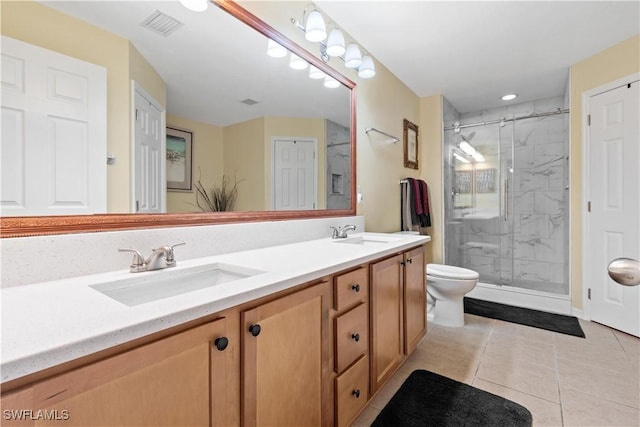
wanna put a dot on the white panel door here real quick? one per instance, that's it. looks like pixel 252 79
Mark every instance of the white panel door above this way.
pixel 614 195
pixel 149 162
pixel 294 174
pixel 54 133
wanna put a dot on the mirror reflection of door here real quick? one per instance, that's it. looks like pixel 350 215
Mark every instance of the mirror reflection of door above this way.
pixel 149 186
pixel 54 137
pixel 294 174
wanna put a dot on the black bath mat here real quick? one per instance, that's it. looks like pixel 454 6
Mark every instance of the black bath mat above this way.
pixel 428 399
pixel 525 316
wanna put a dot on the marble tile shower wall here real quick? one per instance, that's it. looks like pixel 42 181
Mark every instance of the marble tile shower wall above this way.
pixel 530 249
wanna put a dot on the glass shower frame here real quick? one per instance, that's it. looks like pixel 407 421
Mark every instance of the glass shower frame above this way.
pixel 507 217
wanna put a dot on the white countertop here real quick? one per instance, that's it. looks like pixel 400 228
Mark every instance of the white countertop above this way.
pixel 46 324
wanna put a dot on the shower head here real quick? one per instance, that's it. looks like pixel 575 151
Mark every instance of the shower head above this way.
pixel 468 138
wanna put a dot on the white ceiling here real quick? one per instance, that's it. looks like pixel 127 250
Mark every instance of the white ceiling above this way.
pixel 473 52
pixel 213 62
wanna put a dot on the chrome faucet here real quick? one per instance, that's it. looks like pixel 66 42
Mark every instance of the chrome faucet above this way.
pixel 341 232
pixel 161 257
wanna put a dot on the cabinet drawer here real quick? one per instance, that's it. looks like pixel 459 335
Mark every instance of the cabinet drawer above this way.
pixel 352 391
pixel 351 336
pixel 350 288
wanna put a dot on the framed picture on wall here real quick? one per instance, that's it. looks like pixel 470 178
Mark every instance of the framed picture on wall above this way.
pixel 410 135
pixel 179 157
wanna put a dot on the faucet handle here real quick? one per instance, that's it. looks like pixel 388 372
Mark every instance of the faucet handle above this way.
pixel 138 259
pixel 334 232
pixel 169 253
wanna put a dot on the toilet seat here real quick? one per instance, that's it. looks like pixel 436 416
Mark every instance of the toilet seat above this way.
pixel 451 272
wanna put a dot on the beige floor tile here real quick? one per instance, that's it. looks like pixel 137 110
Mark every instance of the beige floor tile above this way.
pixel 524 331
pixel 609 355
pixel 543 412
pixel 562 380
pixel 605 384
pixel 580 409
pixel 387 391
pixel 512 348
pixel 366 417
pixel 521 375
pixel 631 346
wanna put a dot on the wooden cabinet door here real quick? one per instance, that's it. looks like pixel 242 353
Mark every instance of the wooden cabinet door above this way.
pixel 415 299
pixel 386 337
pixel 165 383
pixel 285 344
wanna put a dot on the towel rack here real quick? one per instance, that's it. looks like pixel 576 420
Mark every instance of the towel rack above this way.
pixel 395 139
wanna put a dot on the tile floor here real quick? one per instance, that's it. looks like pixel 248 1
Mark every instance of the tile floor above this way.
pixel 563 380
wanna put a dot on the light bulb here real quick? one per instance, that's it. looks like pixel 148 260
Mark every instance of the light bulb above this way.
pixel 331 83
pixel 195 5
pixel 315 73
pixel 367 69
pixel 297 63
pixel 315 30
pixel 276 50
pixel 352 57
pixel 335 43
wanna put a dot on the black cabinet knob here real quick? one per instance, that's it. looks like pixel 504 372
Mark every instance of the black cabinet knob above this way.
pixel 355 337
pixel 221 343
pixel 356 393
pixel 410 260
pixel 255 330
pixel 355 287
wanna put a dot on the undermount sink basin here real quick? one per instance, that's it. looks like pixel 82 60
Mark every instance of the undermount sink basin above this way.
pixel 152 286
pixel 364 240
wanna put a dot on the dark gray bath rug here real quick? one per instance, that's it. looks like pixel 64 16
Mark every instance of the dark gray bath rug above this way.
pixel 554 322
pixel 429 399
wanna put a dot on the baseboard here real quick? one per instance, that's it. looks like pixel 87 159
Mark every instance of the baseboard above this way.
pixel 523 298
pixel 578 313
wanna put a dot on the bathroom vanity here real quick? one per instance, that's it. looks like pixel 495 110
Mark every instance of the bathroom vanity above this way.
pixel 306 335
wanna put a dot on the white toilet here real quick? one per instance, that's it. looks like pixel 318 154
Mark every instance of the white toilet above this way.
pixel 446 288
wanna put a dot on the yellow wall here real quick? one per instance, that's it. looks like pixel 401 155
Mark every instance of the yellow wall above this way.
pixel 244 154
pixel 431 164
pixel 207 158
pixel 611 64
pixel 143 73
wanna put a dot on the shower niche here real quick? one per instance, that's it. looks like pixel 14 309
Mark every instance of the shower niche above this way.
pixel 506 195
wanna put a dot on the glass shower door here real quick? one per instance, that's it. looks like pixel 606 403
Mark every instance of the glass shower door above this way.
pixel 478 222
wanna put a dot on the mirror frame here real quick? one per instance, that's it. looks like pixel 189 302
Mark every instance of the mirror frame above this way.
pixel 51 225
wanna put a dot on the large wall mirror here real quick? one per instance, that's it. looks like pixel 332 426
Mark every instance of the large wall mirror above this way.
pixel 234 107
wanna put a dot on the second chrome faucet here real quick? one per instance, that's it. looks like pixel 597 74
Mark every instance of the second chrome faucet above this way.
pixel 161 257
pixel 341 232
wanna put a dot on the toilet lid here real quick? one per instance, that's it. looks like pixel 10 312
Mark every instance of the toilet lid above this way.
pixel 451 272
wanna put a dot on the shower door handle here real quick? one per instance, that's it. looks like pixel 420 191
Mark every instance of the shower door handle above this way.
pixel 506 199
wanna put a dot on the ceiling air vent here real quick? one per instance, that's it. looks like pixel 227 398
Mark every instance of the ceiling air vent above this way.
pixel 161 24
pixel 249 101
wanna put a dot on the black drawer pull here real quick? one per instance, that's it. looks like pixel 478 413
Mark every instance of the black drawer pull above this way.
pixel 221 343
pixel 355 287
pixel 356 393
pixel 355 337
pixel 255 330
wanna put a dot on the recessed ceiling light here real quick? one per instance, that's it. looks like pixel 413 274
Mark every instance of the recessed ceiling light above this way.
pixel 509 97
